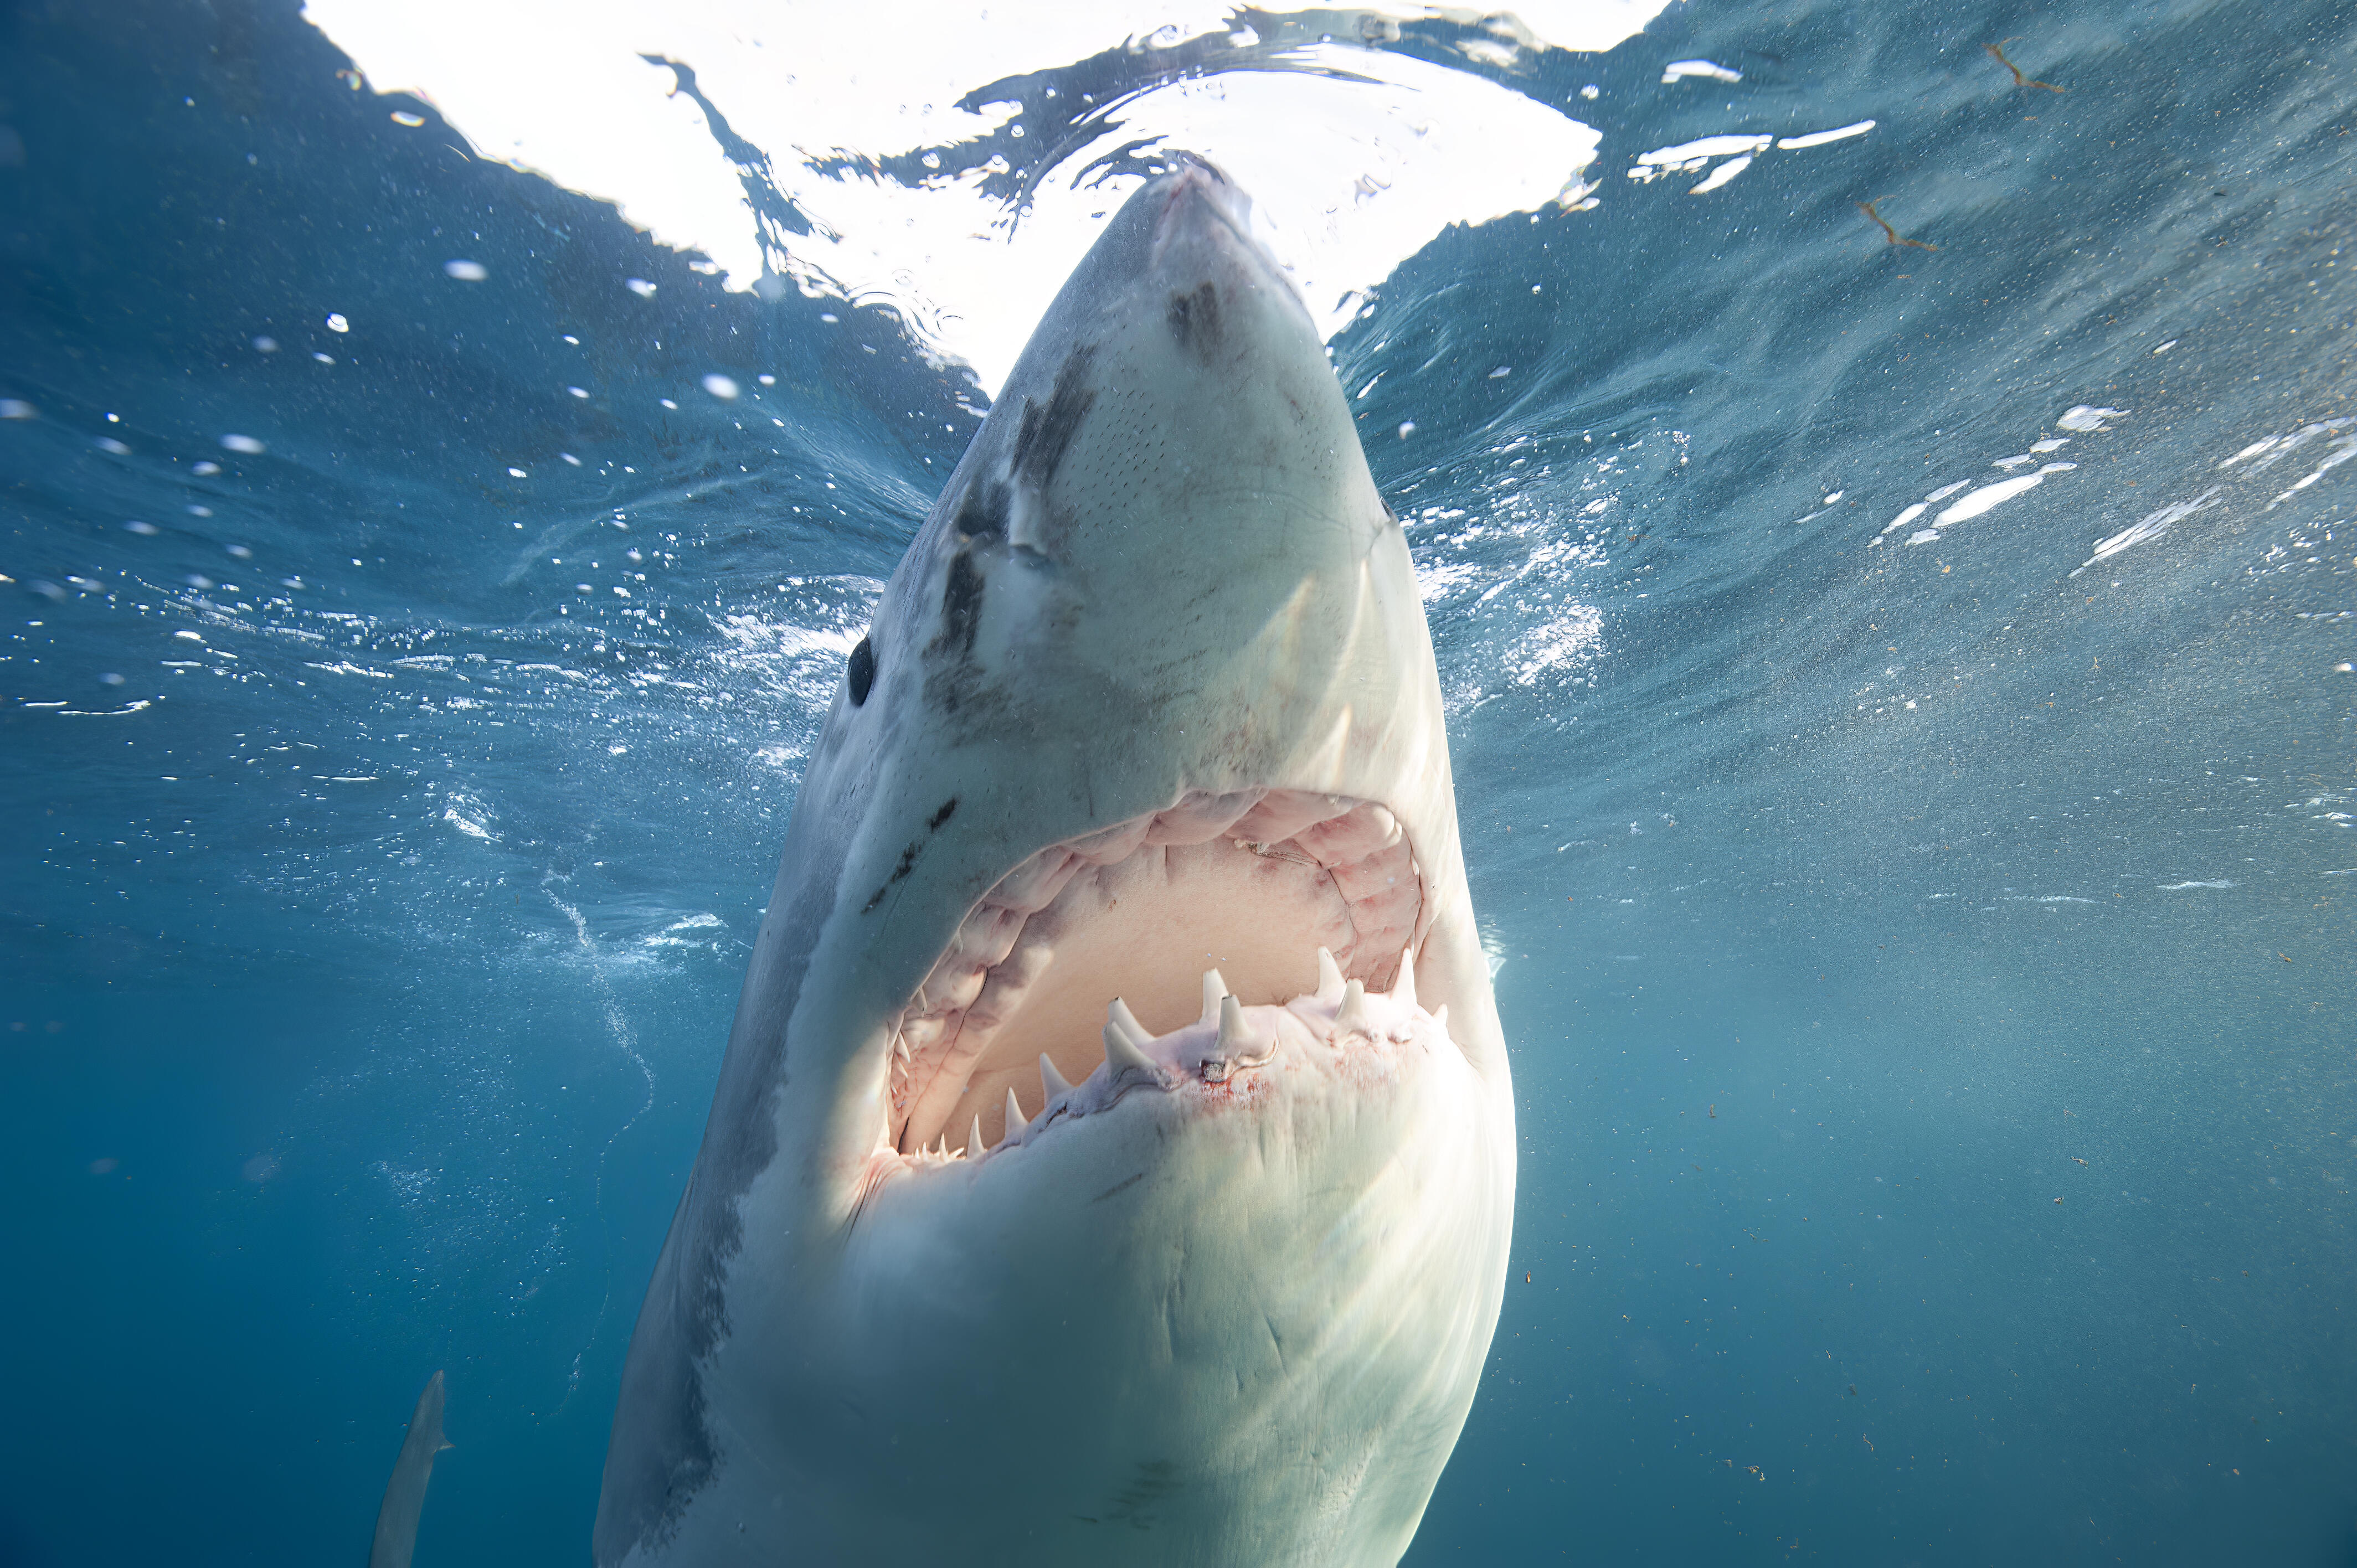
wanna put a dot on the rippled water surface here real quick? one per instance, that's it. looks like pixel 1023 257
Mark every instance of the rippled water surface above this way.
pixel 1901 683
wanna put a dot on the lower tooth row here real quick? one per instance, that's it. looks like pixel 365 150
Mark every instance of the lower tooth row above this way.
pixel 1125 1039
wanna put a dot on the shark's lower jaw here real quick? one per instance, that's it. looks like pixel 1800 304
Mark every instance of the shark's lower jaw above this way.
pixel 1187 946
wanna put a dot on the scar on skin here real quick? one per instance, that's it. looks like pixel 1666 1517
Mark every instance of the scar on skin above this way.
pixel 1889 233
pixel 1996 51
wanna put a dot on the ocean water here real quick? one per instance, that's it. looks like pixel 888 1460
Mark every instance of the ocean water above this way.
pixel 1902 697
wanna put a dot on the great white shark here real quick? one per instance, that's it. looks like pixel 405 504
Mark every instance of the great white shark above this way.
pixel 1114 1157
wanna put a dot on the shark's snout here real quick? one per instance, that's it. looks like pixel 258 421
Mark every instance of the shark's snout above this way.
pixel 1203 238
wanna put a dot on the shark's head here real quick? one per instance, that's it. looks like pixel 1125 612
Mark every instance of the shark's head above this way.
pixel 1115 1150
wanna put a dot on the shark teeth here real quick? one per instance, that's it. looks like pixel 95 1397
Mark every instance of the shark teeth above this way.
pixel 1330 977
pixel 1231 1026
pixel 1119 1012
pixel 1121 1052
pixel 1051 1083
pixel 1351 1017
pixel 972 1014
pixel 974 1144
pixel 1215 989
pixel 1015 1120
pixel 1236 1046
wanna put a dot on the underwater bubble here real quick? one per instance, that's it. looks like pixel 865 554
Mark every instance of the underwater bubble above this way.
pixel 134 526
pixel 720 386
pixel 640 287
pixel 266 344
pixel 206 469
pixel 245 444
pixel 467 272
pixel 109 679
pixel 109 444
pixel 336 323
pixel 18 408
pixel 241 552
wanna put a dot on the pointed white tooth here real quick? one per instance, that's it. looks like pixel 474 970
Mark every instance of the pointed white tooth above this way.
pixel 1014 1118
pixel 1214 989
pixel 1351 1017
pixel 1404 988
pixel 1119 1013
pixel 1122 1053
pixel 1441 1018
pixel 1051 1083
pixel 973 1143
pixel 1329 975
pixel 1231 1041
pixel 900 1049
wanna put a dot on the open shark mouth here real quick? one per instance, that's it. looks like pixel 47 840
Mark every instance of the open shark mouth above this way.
pixel 1290 914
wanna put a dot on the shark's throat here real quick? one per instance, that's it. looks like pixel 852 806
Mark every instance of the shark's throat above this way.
pixel 1254 883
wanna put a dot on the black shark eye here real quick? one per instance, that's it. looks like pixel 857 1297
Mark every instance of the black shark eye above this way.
pixel 861 674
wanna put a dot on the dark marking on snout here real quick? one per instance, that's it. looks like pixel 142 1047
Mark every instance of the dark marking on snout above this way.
pixel 960 608
pixel 1194 320
pixel 1047 431
pixel 1119 1186
pixel 983 514
pixel 860 673
pixel 949 809
pixel 908 864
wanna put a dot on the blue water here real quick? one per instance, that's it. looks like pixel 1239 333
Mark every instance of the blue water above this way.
pixel 1928 964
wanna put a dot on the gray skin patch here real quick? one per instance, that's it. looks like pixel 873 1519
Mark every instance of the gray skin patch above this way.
pixel 1047 433
pixel 953 680
pixel 983 514
pixel 960 608
pixel 1195 322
